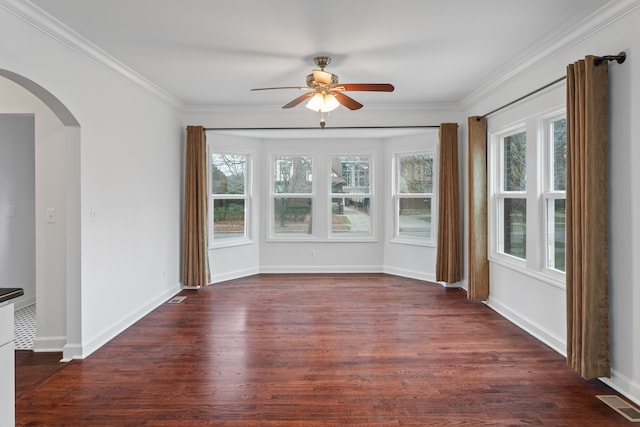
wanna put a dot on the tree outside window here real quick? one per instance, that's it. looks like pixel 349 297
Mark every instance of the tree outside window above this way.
pixel 292 195
pixel 228 191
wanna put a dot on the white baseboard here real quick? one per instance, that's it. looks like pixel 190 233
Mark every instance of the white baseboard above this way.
pixel 70 352
pixel 528 326
pixel 284 269
pixel 217 278
pixel 454 285
pixel 49 344
pixel 410 274
pixel 624 385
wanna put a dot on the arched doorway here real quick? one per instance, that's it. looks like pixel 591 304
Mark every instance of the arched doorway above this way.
pixel 69 260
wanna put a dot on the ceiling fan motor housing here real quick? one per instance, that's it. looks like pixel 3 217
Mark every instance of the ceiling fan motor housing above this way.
pixel 321 78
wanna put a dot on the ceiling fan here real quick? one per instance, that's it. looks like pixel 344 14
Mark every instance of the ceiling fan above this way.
pixel 325 93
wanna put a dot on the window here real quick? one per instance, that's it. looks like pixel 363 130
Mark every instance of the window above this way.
pixel 414 195
pixel 350 195
pixel 555 191
pixel 511 195
pixel 527 219
pixel 292 195
pixel 229 195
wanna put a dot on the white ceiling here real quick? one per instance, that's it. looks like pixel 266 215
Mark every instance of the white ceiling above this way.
pixel 206 52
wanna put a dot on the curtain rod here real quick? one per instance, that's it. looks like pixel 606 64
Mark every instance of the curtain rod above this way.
pixel 620 58
pixel 336 127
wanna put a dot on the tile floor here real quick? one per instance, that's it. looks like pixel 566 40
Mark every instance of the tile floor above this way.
pixel 24 323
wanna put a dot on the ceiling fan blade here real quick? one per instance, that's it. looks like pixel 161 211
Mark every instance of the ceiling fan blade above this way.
pixel 283 87
pixel 298 100
pixel 365 87
pixel 347 101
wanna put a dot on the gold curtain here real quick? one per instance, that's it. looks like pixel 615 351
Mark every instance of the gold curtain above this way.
pixel 477 237
pixel 195 263
pixel 449 259
pixel 587 266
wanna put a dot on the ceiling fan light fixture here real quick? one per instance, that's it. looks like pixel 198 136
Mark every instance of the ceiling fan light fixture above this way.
pixel 323 102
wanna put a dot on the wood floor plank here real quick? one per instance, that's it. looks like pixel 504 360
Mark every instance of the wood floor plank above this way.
pixel 34 368
pixel 318 350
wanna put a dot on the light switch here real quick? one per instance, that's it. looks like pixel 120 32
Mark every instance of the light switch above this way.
pixel 11 211
pixel 51 215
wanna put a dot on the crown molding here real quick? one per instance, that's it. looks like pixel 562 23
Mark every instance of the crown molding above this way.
pixel 601 18
pixel 47 24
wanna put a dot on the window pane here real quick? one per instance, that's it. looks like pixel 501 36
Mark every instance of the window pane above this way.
pixel 292 175
pixel 292 215
pixel 515 162
pixel 228 173
pixel 559 155
pixel 350 215
pixel 557 233
pixel 414 219
pixel 515 222
pixel 228 218
pixel 350 175
pixel 416 173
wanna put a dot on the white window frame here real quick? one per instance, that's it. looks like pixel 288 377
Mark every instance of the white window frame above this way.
pixel 539 150
pixel 498 195
pixel 352 237
pixel 247 196
pixel 549 194
pixel 313 195
pixel 396 195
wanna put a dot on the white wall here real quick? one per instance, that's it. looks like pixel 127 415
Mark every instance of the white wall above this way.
pixel 129 177
pixel 531 302
pixel 17 205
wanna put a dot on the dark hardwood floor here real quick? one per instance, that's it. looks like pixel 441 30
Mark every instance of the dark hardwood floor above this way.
pixel 318 350
pixel 32 369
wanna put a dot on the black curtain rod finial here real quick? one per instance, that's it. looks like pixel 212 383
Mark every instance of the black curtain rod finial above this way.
pixel 619 58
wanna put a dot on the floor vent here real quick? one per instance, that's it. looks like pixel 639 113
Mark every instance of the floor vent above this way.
pixel 622 407
pixel 176 300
